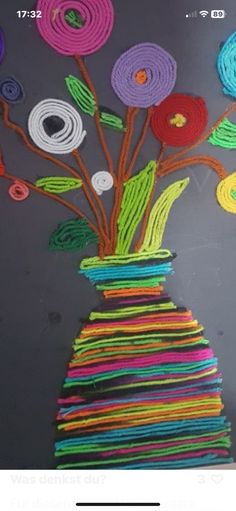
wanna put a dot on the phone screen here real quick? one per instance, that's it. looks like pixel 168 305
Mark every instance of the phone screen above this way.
pixel 117 229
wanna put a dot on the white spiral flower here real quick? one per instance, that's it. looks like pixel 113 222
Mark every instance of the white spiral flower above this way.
pixel 102 181
pixel 64 141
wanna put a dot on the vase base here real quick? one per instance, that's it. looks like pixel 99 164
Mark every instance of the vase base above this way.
pixel 143 390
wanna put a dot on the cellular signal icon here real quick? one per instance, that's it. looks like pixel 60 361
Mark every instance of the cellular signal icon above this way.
pixel 191 14
pixel 204 13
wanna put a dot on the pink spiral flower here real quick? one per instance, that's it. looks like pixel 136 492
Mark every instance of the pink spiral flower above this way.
pixel 18 191
pixel 97 18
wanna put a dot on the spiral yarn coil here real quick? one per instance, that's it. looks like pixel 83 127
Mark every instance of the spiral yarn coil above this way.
pixel 18 191
pixel 11 90
pixel 167 119
pixel 144 75
pixel 64 141
pixel 226 65
pixel 226 193
pixel 102 182
pixel 97 16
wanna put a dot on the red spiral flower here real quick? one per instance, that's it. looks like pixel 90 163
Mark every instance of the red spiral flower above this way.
pixel 179 120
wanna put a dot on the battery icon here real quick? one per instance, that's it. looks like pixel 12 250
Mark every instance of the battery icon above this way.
pixel 218 14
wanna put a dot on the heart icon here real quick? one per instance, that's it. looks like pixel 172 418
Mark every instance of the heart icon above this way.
pixel 217 478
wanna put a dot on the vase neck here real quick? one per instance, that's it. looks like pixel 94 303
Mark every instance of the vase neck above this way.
pixel 134 276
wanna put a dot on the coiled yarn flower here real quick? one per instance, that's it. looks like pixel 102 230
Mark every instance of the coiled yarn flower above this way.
pixel 144 75
pixel 179 120
pixel 55 126
pixel 2 45
pixel 11 90
pixel 75 27
pixel 226 65
pixel 226 193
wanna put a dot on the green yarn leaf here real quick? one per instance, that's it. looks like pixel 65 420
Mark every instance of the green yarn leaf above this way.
pixel 71 235
pixel 74 19
pixel 112 121
pixel 137 191
pixel 224 135
pixel 159 215
pixel 81 94
pixel 58 184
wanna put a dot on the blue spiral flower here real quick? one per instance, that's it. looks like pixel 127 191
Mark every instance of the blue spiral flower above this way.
pixel 226 65
pixel 11 90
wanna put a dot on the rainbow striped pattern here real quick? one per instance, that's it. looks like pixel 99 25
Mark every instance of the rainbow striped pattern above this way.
pixel 143 390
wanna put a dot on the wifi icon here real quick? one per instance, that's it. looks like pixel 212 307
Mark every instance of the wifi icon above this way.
pixel 203 13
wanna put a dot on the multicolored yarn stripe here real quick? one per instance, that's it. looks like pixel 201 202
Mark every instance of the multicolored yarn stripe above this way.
pixel 143 390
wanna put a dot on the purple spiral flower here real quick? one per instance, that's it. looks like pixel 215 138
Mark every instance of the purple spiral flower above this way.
pixel 144 75
pixel 2 45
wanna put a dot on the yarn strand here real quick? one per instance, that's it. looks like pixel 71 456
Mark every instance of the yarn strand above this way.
pixel 101 220
pixel 149 206
pixel 15 127
pixel 64 166
pixel 61 201
pixel 211 162
pixel 86 76
pixel 139 144
pixel 127 137
pixel 142 389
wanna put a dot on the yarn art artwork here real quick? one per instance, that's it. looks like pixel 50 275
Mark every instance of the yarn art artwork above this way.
pixel 143 389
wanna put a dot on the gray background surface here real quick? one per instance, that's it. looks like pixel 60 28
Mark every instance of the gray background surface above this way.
pixel 41 296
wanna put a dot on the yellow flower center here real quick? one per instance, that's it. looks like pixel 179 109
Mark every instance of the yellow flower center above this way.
pixel 178 121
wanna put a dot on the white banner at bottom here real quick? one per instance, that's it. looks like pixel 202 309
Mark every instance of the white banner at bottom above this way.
pixel 183 490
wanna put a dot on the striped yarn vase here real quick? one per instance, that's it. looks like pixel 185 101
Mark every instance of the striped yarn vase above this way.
pixel 143 390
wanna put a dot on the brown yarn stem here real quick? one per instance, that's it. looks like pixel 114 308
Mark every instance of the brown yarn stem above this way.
pixel 98 211
pixel 149 206
pixel 15 127
pixel 86 76
pixel 211 162
pixel 139 144
pixel 127 137
pixel 61 201
pixel 124 153
pixel 204 137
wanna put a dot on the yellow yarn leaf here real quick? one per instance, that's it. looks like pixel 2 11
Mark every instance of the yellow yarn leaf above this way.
pixel 159 216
